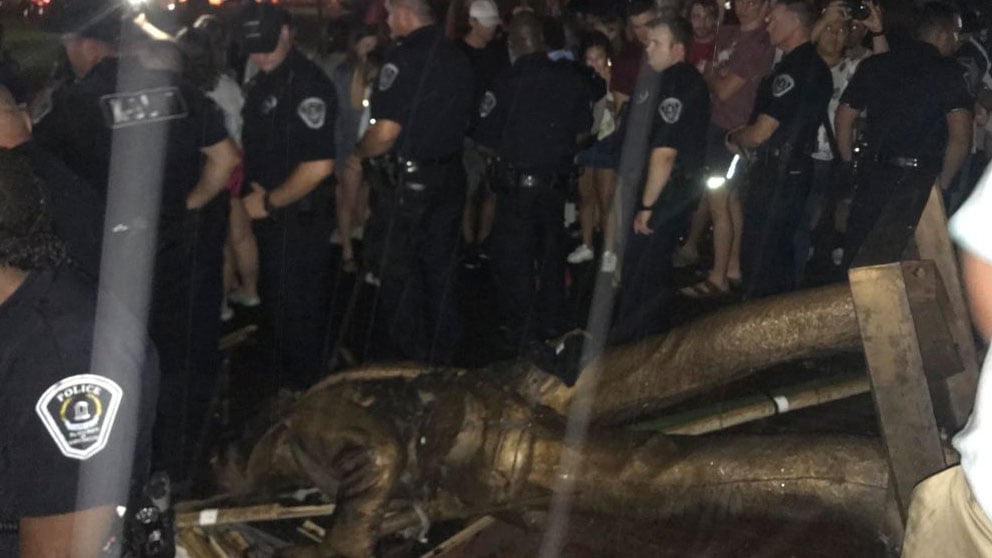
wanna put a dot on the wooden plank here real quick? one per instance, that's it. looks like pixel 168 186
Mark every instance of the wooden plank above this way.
pixel 898 377
pixel 934 244
pixel 268 512
pixel 485 537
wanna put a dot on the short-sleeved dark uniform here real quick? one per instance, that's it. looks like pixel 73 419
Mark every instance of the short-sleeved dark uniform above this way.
pixel 289 117
pixel 532 119
pixel 488 63
pixel 78 400
pixel 680 121
pixel 907 93
pixel 425 86
pixel 135 135
pixel 796 95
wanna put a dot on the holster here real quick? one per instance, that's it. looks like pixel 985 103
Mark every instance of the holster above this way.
pixel 382 172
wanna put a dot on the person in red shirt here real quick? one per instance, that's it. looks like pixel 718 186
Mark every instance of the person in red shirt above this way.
pixel 704 16
pixel 743 56
pixel 627 65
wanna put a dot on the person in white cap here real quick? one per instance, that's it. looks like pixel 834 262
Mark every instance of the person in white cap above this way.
pixel 489 58
pixel 483 18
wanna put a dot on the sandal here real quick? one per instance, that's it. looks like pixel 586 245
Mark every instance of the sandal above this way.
pixel 703 290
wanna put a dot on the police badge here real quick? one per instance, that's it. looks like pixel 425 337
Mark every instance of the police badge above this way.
pixel 78 412
pixel 782 84
pixel 487 105
pixel 269 104
pixel 387 75
pixel 670 110
pixel 312 112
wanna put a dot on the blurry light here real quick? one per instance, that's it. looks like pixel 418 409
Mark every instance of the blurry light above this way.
pixel 365 103
pixel 726 5
pixel 371 121
pixel 137 3
pixel 171 6
pixel 715 182
pixel 733 167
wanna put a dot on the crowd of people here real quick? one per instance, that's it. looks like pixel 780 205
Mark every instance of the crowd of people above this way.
pixel 189 169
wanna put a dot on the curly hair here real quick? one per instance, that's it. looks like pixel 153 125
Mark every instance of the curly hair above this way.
pixel 27 240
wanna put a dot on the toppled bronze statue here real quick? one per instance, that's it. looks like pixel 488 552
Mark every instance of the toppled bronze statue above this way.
pixel 453 442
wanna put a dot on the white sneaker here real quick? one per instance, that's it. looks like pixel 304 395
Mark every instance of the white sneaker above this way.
pixel 608 263
pixel 581 254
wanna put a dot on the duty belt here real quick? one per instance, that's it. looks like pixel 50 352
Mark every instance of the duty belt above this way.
pixel 411 166
pixel 528 180
pixel 904 162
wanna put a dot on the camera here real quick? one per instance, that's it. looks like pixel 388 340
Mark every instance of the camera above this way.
pixel 858 9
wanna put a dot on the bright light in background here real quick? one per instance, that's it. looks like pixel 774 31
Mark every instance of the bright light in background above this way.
pixel 136 3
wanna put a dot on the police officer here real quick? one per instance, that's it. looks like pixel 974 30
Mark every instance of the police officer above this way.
pixel 790 106
pixel 673 185
pixel 420 108
pixel 78 394
pixel 919 122
pixel 533 119
pixel 156 149
pixel 288 139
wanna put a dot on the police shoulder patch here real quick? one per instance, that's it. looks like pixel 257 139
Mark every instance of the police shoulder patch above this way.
pixel 387 75
pixel 78 412
pixel 670 110
pixel 488 104
pixel 782 84
pixel 313 112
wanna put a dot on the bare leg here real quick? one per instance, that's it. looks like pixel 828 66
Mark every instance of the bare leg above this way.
pixel 230 263
pixel 700 219
pixel 587 205
pixel 723 236
pixel 606 188
pixel 349 182
pixel 487 213
pixel 737 226
pixel 469 217
pixel 245 250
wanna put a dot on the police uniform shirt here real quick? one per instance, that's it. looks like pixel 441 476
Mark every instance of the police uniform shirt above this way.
pixel 682 116
pixel 426 86
pixel 796 95
pixel 71 418
pixel 535 113
pixel 908 93
pixel 141 114
pixel 289 118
